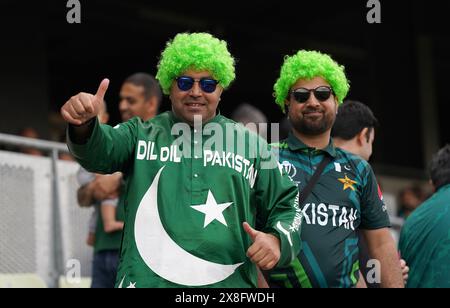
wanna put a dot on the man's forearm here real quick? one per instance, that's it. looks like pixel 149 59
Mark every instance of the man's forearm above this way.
pixel 361 284
pixel 391 274
pixel 81 133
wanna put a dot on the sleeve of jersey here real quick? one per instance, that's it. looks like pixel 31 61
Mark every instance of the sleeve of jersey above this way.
pixel 278 210
pixel 373 210
pixel 107 150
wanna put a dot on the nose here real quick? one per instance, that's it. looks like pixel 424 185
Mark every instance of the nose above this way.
pixel 196 91
pixel 123 105
pixel 312 101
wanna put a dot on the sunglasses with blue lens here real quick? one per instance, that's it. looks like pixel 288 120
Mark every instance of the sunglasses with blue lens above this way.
pixel 207 85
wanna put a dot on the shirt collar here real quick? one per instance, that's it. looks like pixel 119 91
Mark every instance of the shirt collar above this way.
pixel 216 119
pixel 296 144
pixel 445 187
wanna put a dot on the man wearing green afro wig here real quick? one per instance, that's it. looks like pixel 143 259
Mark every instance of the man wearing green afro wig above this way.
pixel 344 199
pixel 307 65
pixel 195 179
pixel 200 51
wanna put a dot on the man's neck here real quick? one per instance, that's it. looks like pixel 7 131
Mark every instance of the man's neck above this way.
pixel 347 145
pixel 318 142
pixel 202 122
pixel 148 117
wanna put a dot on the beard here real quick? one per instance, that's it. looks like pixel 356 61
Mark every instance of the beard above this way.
pixel 313 125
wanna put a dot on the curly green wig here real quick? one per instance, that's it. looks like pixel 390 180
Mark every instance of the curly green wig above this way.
pixel 197 51
pixel 308 65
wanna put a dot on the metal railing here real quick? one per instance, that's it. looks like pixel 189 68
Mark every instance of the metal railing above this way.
pixel 35 143
pixel 53 148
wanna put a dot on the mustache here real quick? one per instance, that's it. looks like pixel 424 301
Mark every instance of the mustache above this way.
pixel 312 110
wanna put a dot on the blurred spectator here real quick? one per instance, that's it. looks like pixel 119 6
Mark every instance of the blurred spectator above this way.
pixel 252 118
pixel 425 238
pixel 354 131
pixel 354 128
pixel 64 155
pixel 140 96
pixel 409 199
pixel 30 132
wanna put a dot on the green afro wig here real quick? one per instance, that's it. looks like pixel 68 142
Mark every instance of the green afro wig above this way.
pixel 197 51
pixel 308 65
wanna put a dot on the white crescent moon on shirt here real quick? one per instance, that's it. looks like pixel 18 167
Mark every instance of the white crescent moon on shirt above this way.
pixel 163 256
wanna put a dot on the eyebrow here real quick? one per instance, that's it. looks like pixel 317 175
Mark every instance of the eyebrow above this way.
pixel 126 97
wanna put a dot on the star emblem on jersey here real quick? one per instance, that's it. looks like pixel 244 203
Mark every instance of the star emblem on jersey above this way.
pixel 212 210
pixel 131 286
pixel 348 183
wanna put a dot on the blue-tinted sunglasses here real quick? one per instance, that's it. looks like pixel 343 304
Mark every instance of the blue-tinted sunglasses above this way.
pixel 207 85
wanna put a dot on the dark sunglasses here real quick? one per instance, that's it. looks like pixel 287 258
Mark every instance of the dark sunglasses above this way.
pixel 207 85
pixel 321 93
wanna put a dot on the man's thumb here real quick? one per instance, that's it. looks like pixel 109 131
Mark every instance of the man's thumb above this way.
pixel 102 88
pixel 250 231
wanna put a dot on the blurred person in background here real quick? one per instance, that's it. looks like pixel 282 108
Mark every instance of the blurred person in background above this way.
pixel 252 118
pixel 354 131
pixel 425 237
pixel 64 155
pixel 30 132
pixel 140 96
pixel 409 199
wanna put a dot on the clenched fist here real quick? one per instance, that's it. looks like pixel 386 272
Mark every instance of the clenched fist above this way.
pixel 84 106
pixel 265 251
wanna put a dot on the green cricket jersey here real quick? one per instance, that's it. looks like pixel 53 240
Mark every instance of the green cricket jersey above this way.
pixel 187 194
pixel 425 242
pixel 345 198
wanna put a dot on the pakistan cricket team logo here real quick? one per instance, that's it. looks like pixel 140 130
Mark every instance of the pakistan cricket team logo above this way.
pixel 175 264
pixel 290 169
pixel 348 183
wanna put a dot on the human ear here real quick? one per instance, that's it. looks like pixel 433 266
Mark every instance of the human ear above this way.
pixel 362 136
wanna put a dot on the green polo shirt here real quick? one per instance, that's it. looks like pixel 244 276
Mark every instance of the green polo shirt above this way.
pixel 346 198
pixel 425 242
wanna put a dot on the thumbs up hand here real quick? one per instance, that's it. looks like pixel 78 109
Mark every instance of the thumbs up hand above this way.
pixel 84 106
pixel 265 251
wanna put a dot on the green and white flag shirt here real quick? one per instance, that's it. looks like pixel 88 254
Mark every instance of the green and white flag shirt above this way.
pixel 184 212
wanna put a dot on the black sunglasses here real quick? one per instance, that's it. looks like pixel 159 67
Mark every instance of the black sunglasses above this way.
pixel 207 85
pixel 321 93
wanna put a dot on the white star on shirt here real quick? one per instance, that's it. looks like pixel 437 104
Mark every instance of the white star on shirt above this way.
pixel 132 286
pixel 212 210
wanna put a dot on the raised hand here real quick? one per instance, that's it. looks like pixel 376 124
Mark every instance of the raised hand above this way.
pixel 265 251
pixel 84 106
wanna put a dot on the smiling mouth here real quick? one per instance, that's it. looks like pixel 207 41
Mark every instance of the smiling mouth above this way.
pixel 194 105
pixel 126 115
